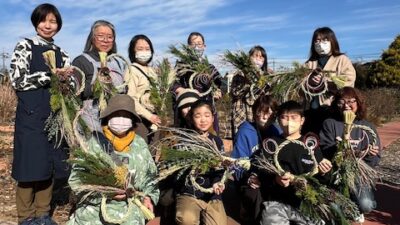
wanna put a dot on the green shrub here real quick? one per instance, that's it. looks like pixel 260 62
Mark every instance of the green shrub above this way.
pixel 386 72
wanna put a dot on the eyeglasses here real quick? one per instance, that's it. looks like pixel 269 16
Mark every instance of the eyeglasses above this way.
pixel 104 37
pixel 349 102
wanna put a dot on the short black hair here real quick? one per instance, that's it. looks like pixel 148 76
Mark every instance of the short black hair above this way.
pixel 132 44
pixel 292 107
pixel 189 40
pixel 41 11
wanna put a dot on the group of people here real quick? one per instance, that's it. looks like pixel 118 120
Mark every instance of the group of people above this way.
pixel 125 128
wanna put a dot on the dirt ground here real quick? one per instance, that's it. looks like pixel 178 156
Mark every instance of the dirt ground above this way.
pixel 389 167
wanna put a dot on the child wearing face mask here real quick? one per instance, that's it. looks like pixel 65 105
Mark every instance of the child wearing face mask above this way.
pixel 242 99
pixel 139 84
pixel 325 55
pixel 192 205
pixel 282 205
pixel 124 146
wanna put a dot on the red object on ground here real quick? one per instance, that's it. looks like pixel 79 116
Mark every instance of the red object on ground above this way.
pixel 389 133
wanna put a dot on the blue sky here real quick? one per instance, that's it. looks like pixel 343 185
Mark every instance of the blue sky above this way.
pixel 364 28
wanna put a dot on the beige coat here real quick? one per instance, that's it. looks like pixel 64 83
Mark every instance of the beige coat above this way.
pixel 139 89
pixel 342 66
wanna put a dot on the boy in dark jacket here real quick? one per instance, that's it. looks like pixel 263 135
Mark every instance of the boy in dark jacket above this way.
pixel 282 203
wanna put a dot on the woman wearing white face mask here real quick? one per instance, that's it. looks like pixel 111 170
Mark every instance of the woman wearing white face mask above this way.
pixel 325 55
pixel 196 41
pixel 141 53
pixel 242 100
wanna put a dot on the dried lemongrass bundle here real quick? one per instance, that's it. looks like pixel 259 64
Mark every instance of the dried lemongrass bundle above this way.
pixel 185 150
pixel 351 171
pixel 160 95
pixel 50 59
pixel 103 59
pixel 98 174
pixel 64 102
pixel 349 117
pixel 104 87
pixel 201 72
pixel 255 78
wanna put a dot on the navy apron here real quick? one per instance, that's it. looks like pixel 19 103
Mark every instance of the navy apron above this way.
pixel 35 157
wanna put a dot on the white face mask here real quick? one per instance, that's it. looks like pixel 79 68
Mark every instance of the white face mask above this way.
pixel 119 125
pixel 290 127
pixel 323 47
pixel 199 51
pixel 143 56
pixel 258 63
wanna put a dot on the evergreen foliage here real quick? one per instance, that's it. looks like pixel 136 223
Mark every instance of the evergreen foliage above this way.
pixel 91 166
pixel 160 95
pixel 318 202
pixel 387 70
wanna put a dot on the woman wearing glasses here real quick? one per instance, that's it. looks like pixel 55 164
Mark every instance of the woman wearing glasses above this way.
pixel 349 99
pixel 325 55
pixel 100 39
pixel 196 41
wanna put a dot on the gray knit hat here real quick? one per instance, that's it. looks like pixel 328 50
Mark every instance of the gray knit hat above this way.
pixel 120 102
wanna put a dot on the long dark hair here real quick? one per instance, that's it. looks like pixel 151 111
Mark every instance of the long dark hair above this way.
pixel 324 33
pixel 132 44
pixel 256 48
pixel 189 40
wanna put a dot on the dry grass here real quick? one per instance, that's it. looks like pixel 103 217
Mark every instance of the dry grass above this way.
pixel 8 103
pixel 383 104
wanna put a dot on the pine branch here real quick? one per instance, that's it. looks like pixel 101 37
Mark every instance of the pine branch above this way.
pixel 97 168
pixel 160 94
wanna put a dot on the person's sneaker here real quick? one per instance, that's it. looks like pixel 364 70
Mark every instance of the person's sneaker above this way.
pixel 45 220
pixel 359 219
pixel 29 221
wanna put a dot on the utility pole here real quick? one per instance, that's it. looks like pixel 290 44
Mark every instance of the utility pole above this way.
pixel 4 55
pixel 273 64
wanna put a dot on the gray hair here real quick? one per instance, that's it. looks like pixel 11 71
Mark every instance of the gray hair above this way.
pixel 89 45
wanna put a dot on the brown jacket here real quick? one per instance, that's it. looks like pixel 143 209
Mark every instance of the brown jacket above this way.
pixel 343 67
